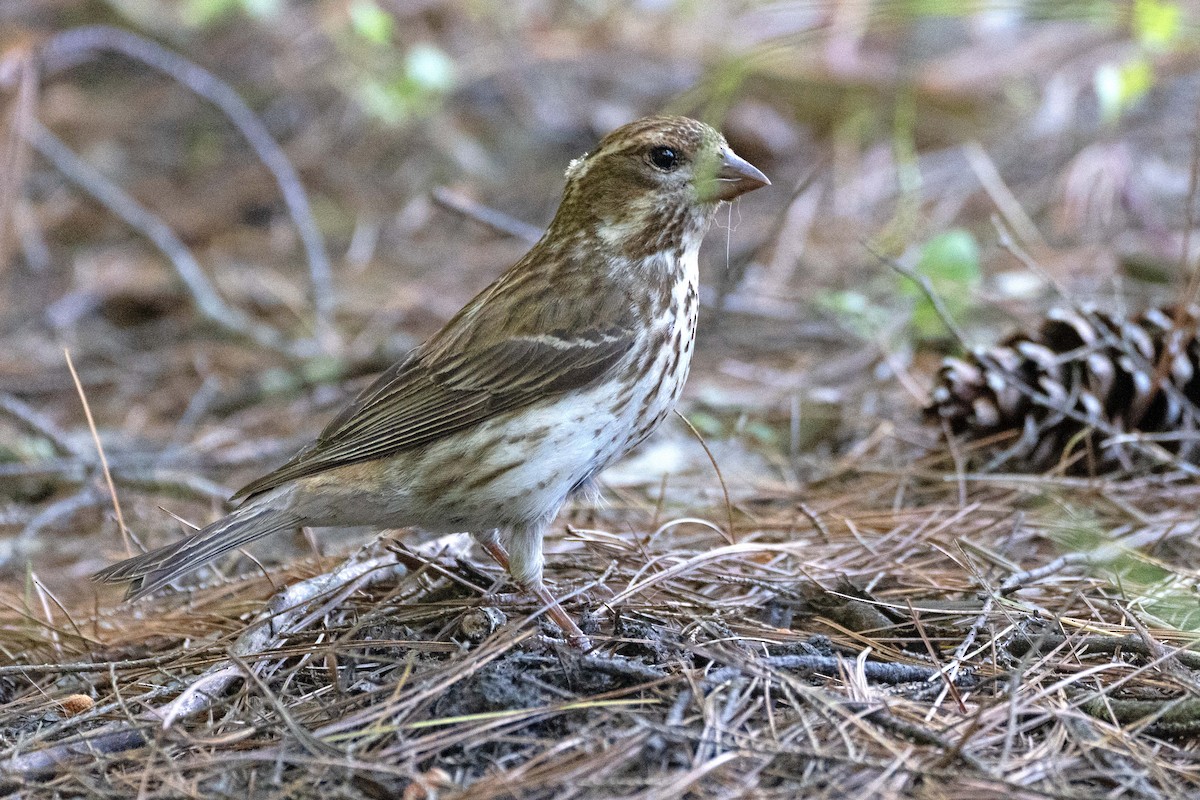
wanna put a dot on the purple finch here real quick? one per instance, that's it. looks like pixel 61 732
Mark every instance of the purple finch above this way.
pixel 572 357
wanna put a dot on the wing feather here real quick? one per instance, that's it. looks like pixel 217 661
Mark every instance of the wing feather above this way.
pixel 443 388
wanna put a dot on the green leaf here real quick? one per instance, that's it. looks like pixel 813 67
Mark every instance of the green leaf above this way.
pixel 1156 24
pixel 951 263
pixel 202 13
pixel 854 310
pixel 389 102
pixel 708 424
pixel 371 22
pixel 1119 87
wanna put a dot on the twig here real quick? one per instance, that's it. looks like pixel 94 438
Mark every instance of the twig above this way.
pixel 927 288
pixel 622 667
pixel 85 667
pixel 127 473
pixel 173 483
pixel 829 666
pixel 38 424
pixel 17 66
pixel 993 183
pixel 1044 643
pixel 288 612
pixel 68 47
pixel 33 241
pixel 1192 291
pixel 485 215
pixel 208 302
pixel 1168 717
pixel 66 508
pixel 1018 580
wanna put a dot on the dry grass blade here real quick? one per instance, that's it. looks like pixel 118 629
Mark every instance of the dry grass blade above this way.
pixel 17 68
pixel 112 489
pixel 750 660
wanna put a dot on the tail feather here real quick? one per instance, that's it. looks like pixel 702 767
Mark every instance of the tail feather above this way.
pixel 153 570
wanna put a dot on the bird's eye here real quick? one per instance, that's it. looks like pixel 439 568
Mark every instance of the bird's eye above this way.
pixel 665 158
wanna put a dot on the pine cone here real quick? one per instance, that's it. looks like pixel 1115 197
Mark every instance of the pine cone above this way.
pixel 1085 377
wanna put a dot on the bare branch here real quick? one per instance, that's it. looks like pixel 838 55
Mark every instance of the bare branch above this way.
pixel 204 294
pixel 69 47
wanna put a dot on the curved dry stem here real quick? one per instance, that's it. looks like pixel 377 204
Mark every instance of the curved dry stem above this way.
pixel 204 294
pixel 70 47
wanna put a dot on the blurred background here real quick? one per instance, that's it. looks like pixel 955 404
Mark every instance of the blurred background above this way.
pixel 1014 153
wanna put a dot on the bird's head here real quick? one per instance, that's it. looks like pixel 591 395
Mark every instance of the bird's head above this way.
pixel 657 178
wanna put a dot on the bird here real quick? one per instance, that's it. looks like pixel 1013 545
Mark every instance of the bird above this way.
pixel 569 359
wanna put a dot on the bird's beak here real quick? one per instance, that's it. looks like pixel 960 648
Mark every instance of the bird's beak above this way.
pixel 735 176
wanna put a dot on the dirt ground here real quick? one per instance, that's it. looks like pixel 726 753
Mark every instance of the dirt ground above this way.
pixel 823 595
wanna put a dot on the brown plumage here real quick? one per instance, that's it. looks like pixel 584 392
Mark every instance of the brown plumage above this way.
pixel 570 358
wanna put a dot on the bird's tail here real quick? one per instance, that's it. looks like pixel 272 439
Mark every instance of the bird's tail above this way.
pixel 154 570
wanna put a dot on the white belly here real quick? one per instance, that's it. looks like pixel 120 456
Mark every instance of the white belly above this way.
pixel 556 446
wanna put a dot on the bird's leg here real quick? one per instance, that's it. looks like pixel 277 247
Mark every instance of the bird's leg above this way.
pixel 491 545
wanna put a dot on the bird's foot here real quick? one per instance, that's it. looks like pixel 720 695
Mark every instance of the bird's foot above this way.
pixel 575 637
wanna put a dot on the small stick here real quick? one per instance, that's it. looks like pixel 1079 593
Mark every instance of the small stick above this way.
pixel 208 301
pixel 1018 580
pixel 58 511
pixel 927 288
pixel 1006 202
pixel 485 215
pixel 1192 291
pixel 68 47
pixel 17 66
pixel 829 666
pixel 36 423
pixel 86 667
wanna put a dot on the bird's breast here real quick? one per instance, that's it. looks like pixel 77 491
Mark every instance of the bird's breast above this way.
pixel 522 465
pixel 660 364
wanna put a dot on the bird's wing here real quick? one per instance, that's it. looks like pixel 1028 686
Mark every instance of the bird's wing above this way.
pixel 480 365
